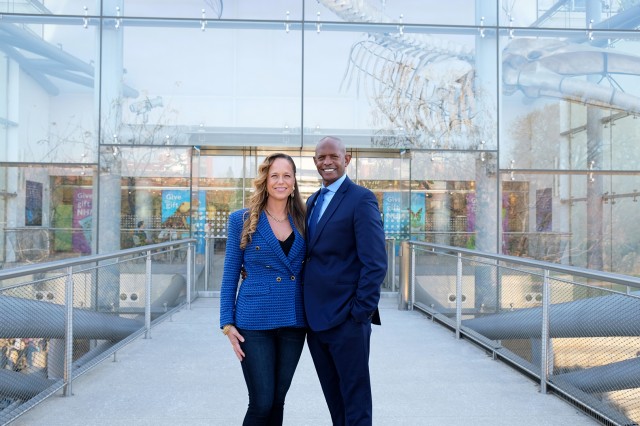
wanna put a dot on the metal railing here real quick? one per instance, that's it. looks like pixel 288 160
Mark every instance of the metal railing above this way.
pixel 576 331
pixel 59 319
pixel 215 248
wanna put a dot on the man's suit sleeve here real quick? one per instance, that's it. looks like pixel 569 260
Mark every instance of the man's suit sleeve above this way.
pixel 370 243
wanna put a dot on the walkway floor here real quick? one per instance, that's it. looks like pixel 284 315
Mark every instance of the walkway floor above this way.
pixel 187 374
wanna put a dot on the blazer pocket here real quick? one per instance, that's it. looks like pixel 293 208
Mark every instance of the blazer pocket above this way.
pixel 254 290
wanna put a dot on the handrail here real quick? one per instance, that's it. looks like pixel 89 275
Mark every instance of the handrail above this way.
pixel 64 263
pixel 556 267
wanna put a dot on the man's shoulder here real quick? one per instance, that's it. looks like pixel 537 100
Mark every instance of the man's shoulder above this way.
pixel 356 189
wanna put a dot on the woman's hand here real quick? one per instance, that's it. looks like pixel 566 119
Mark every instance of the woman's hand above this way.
pixel 235 338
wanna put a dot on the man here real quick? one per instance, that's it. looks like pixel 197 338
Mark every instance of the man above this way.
pixel 346 264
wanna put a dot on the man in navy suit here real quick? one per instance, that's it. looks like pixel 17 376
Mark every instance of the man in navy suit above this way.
pixel 346 264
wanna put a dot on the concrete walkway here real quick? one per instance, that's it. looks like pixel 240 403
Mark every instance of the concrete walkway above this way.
pixel 187 374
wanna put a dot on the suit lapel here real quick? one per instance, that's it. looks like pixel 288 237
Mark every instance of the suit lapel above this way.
pixel 331 208
pixel 310 201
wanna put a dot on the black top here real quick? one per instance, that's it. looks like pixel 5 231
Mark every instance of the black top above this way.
pixel 286 244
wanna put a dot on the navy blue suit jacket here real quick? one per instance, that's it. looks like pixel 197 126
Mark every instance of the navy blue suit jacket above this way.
pixel 346 259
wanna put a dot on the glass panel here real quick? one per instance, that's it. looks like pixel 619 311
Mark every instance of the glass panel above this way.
pixel 384 91
pixel 452 199
pixel 573 219
pixel 48 112
pixel 457 12
pixel 541 219
pixel 215 9
pixel 558 115
pixel 46 214
pixel 387 177
pixel 217 87
pixel 155 190
pixel 570 14
pixel 38 7
pixel 222 181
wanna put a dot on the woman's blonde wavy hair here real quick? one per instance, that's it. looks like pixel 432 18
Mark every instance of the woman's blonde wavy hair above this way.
pixel 295 206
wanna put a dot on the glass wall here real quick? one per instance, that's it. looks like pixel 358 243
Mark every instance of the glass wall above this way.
pixel 502 126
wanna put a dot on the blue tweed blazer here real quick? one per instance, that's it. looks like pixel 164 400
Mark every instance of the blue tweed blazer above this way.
pixel 271 295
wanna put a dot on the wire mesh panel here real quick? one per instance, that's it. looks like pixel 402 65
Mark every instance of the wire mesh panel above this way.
pixel 577 330
pixel 435 282
pixel 595 346
pixel 57 323
pixel 31 318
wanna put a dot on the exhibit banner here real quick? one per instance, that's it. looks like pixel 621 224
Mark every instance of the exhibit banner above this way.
pixel 82 219
pixel 176 213
pixel 33 204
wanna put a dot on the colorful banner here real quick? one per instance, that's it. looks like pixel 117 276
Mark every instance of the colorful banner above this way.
pixel 82 219
pixel 33 204
pixel 176 213
pixel 200 222
pixel 418 212
pixel 402 221
pixel 176 208
pixel 396 219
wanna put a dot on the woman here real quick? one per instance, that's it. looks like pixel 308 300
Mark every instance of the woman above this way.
pixel 265 322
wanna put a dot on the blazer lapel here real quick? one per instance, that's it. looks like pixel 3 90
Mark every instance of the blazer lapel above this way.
pixel 265 231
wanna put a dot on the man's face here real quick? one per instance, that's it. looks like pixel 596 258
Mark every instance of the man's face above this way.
pixel 331 161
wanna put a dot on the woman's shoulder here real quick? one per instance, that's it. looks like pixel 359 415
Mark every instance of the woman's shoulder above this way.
pixel 239 214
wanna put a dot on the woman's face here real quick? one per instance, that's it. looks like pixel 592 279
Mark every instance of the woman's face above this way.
pixel 281 179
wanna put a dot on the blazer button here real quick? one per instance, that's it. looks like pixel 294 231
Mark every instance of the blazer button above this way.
pixel 278 279
pixel 293 277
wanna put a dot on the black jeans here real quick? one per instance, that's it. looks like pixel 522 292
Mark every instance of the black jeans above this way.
pixel 271 358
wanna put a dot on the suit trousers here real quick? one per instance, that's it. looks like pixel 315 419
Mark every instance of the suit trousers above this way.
pixel 341 358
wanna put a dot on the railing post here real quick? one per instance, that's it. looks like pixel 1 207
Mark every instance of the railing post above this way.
pixel 405 265
pixel 147 298
pixel 391 263
pixel 459 296
pixel 544 356
pixel 68 334
pixel 189 273
pixel 412 274
pixel 206 263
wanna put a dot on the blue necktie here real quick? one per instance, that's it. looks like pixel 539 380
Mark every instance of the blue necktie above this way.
pixel 315 215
